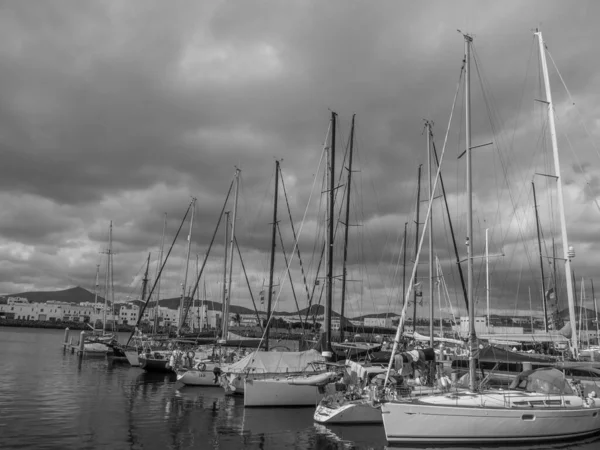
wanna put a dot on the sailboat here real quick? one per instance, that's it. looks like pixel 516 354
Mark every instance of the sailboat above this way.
pixel 208 362
pixel 288 378
pixel 540 405
pixel 99 342
pixel 358 402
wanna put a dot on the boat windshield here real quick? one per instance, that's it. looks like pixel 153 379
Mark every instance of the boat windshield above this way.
pixel 542 381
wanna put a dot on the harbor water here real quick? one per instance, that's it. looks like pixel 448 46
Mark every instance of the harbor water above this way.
pixel 50 399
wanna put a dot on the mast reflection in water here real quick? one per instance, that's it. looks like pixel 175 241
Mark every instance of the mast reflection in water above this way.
pixel 54 400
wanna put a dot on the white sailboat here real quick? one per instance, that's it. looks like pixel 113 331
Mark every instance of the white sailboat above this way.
pixel 539 406
pixel 290 378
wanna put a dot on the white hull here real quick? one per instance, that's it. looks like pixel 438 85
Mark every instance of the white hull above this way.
pixel 196 377
pixel 278 392
pixel 353 412
pixel 95 348
pixel 504 417
pixel 133 358
pixel 360 411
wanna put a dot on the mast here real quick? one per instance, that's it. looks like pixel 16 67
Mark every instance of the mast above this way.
pixel 145 279
pixel 458 261
pixel 430 233
pixel 273 244
pixel 595 314
pixel 198 292
pixel 344 272
pixel 472 335
pixel 204 307
pixel 96 285
pixel 567 251
pixel 108 274
pixel 537 222
pixel 417 246
pixel 224 327
pixel 158 266
pixel 330 214
pixel 187 265
pixel 231 247
pixel 404 266
pixel 487 277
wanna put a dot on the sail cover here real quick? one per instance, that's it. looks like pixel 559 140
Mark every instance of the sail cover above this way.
pixel 277 362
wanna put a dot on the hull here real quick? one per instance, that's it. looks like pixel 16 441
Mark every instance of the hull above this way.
pixel 133 357
pixel 274 392
pixel 155 365
pixel 504 418
pixel 361 411
pixel 196 377
pixel 353 412
pixel 95 348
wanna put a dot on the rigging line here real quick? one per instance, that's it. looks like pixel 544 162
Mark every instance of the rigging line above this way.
pixel 290 277
pixel 445 288
pixel 496 135
pixel 573 102
pixel 315 284
pixel 248 283
pixel 209 248
pixel 581 168
pixel 294 235
pixel 159 274
pixel 422 239
pixel 282 280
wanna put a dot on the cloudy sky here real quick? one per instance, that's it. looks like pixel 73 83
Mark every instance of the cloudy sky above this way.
pixel 124 111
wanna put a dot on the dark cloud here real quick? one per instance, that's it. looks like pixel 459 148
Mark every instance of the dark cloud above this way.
pixel 124 111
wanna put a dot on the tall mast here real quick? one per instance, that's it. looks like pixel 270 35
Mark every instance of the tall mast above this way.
pixel 487 277
pixel 595 314
pixel 567 251
pixel 225 323
pixel 430 232
pixel 559 322
pixel 96 285
pixel 198 291
pixel 329 300
pixel 145 279
pixel 273 244
pixel 231 247
pixel 404 266
pixel 472 335
pixel 108 275
pixel 344 272
pixel 187 265
pixel 158 266
pixel 417 246
pixel 537 222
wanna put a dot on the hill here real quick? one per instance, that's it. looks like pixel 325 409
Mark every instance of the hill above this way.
pixel 75 294
pixel 173 303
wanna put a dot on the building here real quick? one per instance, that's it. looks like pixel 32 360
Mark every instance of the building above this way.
pixel 382 322
pixel 54 311
pixel 481 327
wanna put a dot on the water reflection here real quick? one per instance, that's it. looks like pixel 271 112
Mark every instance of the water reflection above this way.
pixel 55 400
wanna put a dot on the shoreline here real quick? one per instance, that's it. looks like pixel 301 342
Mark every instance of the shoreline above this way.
pixel 19 323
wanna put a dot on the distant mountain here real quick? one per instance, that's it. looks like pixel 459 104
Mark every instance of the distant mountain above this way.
pixel 75 294
pixel 78 294
pixel 377 316
pixel 173 303
pixel 589 313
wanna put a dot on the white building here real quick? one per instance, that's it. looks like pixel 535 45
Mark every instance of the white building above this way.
pixel 482 328
pixel 384 322
pixel 55 311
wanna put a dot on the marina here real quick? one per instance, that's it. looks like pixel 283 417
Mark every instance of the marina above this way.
pixel 50 399
pixel 299 225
